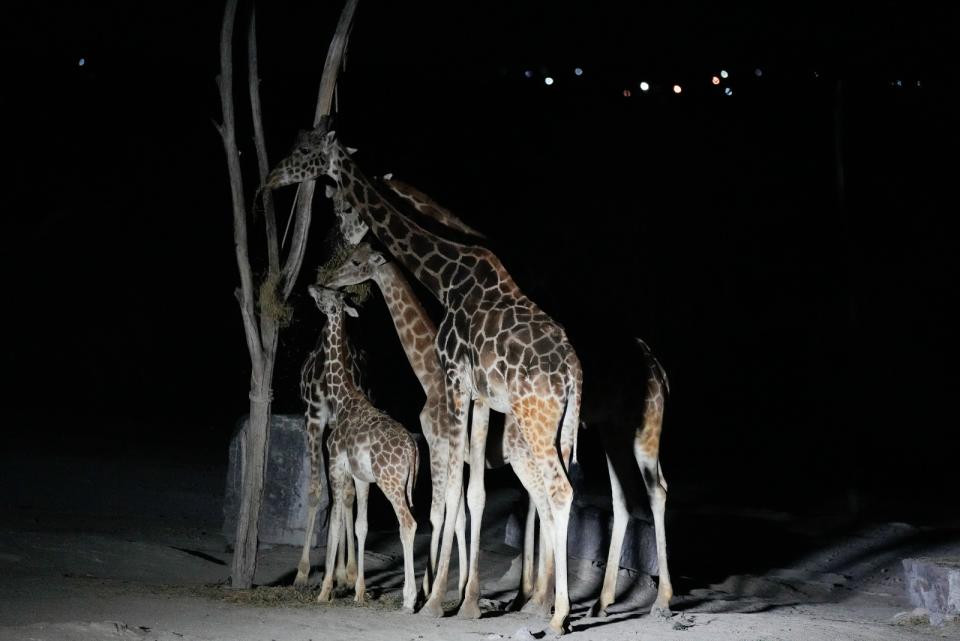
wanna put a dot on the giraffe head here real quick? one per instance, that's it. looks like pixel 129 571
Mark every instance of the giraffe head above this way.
pixel 352 227
pixel 316 153
pixel 330 302
pixel 362 263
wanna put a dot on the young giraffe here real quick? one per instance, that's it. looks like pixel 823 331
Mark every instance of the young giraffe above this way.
pixel 313 391
pixel 366 446
pixel 636 429
pixel 417 334
pixel 498 349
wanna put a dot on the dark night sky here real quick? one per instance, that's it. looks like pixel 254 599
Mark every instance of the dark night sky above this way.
pixel 810 345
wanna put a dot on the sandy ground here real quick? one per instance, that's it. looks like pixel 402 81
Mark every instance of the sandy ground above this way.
pixel 92 550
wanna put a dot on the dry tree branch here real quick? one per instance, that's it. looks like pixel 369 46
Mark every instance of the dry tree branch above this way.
pixel 328 82
pixel 269 215
pixel 228 135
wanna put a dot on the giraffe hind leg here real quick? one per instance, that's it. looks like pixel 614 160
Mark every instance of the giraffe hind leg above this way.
pixel 394 492
pixel 656 485
pixel 621 517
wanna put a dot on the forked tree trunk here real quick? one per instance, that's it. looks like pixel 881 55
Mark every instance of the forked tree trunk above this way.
pixel 262 333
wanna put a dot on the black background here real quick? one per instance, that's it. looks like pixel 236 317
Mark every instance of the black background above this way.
pixel 809 338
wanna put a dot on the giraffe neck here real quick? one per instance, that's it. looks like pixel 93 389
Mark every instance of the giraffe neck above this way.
pixel 337 370
pixel 450 271
pixel 414 327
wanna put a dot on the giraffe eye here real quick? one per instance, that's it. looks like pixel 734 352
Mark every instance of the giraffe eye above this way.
pixel 304 150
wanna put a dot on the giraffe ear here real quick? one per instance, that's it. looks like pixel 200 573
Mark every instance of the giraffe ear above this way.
pixel 388 176
pixel 350 311
pixel 351 151
pixel 330 137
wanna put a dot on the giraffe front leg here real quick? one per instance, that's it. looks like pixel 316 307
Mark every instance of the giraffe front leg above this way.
pixel 303 568
pixel 350 571
pixel 363 491
pixel 476 499
pixel 346 554
pixel 314 428
pixel 453 496
pixel 438 474
pixel 333 540
pixel 462 546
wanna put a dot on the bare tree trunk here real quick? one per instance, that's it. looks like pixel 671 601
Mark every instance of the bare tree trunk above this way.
pixel 262 337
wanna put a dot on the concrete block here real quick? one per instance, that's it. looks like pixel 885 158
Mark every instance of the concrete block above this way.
pixel 588 537
pixel 934 584
pixel 286 484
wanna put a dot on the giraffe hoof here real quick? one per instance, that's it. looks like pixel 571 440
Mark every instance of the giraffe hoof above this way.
pixel 555 630
pixel 432 609
pixel 360 597
pixel 539 607
pixel 324 596
pixel 599 610
pixel 661 612
pixel 469 610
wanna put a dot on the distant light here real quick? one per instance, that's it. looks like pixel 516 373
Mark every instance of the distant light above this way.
pixel 715 80
pixel 548 81
pixel 724 74
pixel 677 88
pixel 728 91
pixel 626 93
pixel 758 72
pixel 82 62
pixel 528 74
pixel 644 86
pixel 578 71
pixel 918 84
pixel 816 74
pixel 898 83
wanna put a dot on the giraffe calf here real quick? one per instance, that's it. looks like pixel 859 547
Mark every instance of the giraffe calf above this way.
pixel 366 446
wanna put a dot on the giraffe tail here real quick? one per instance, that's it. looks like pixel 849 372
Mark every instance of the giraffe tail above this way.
pixel 571 420
pixel 413 471
pixel 658 375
